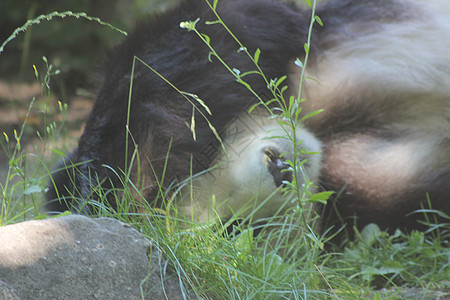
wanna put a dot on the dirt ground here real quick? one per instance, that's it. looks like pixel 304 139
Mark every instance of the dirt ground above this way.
pixel 15 100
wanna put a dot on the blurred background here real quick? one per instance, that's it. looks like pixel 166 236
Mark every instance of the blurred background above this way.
pixel 74 50
pixel 74 46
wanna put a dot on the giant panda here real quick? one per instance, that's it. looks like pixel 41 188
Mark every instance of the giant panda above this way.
pixel 379 70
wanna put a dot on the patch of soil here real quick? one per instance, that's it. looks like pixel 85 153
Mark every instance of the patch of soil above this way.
pixel 15 101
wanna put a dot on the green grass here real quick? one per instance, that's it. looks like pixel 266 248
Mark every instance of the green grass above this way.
pixel 286 260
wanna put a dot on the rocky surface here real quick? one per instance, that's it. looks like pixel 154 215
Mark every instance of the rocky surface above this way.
pixel 75 257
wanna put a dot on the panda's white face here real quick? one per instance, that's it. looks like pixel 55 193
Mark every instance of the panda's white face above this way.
pixel 248 181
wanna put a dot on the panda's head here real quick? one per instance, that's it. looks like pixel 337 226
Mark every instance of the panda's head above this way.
pixel 251 178
pixel 258 174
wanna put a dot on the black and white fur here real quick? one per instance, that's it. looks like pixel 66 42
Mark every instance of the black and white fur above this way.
pixel 248 179
pixel 384 76
pixel 382 71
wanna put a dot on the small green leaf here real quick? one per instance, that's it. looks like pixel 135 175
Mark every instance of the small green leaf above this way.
pixel 318 20
pixel 306 48
pixel 212 22
pixel 40 217
pixel 253 107
pixel 36 73
pixel 308 2
pixel 370 233
pixel 65 213
pixel 314 113
pixel 58 152
pixel 299 63
pixel 297 113
pixel 207 39
pixel 280 80
pixel 250 72
pixel 211 54
pixel 313 79
pixel 320 197
pixel 244 84
pixel 291 102
pixel 256 56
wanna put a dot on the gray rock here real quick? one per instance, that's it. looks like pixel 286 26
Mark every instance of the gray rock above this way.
pixel 75 257
pixel 7 292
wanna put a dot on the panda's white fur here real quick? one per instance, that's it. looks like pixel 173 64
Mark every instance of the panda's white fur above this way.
pixel 385 90
pixel 409 57
pixel 240 183
pixel 397 73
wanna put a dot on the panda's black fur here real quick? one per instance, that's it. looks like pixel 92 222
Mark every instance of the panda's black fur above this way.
pixel 379 102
